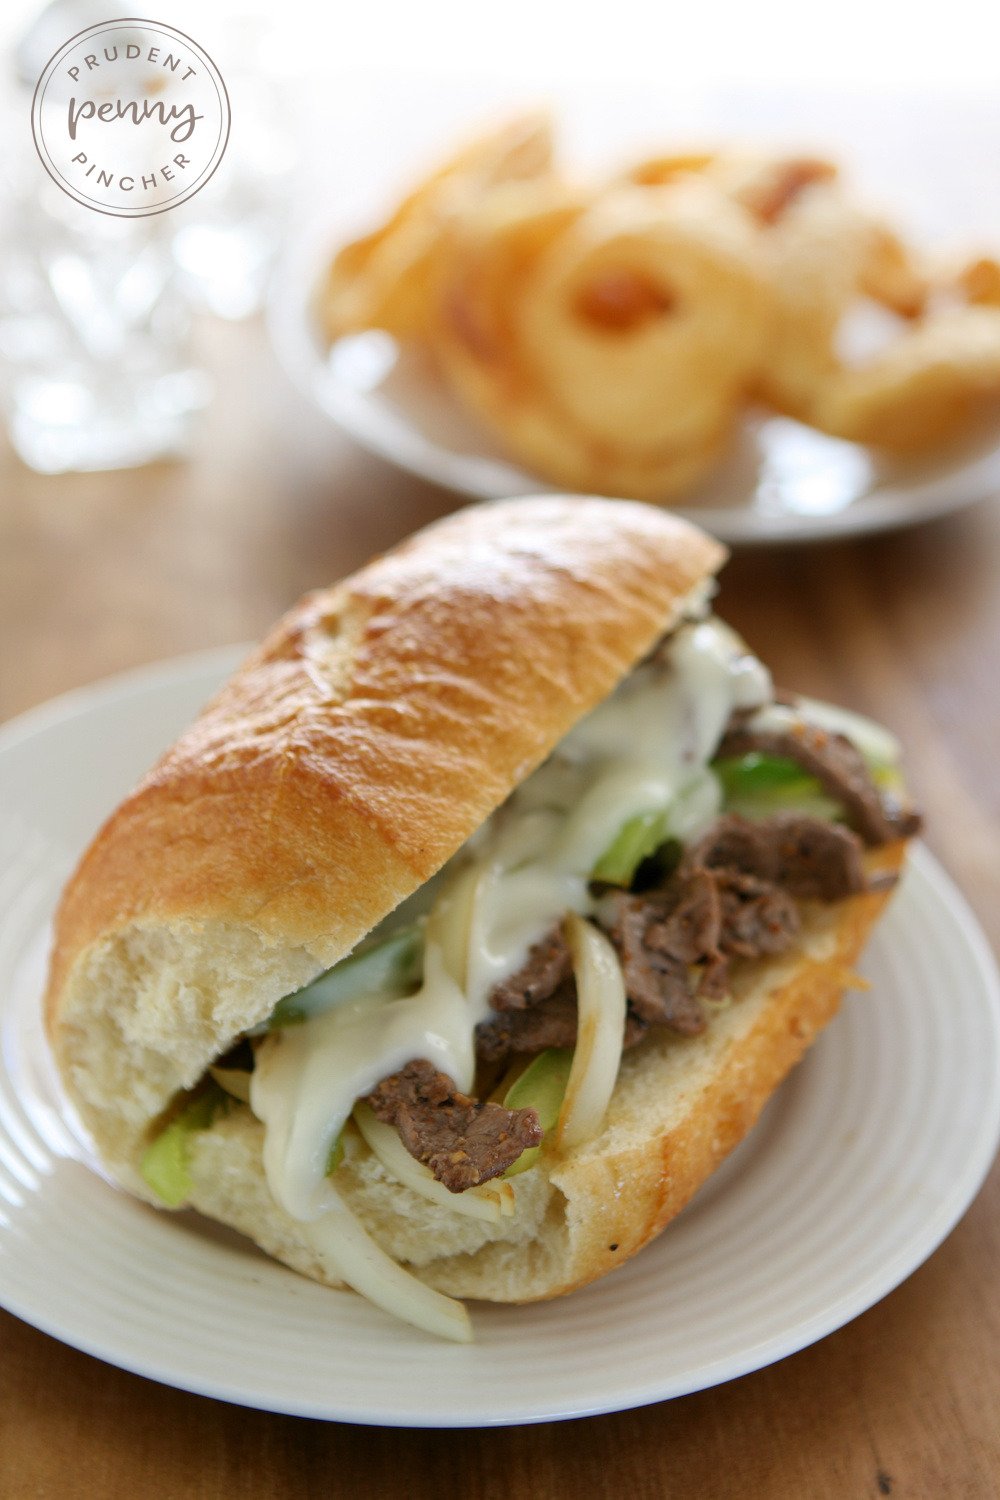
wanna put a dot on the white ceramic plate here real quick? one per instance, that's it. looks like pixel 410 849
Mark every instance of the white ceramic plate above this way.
pixel 781 482
pixel 861 1165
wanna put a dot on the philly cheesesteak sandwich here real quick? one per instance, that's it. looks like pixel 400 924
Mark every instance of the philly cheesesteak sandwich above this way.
pixel 473 922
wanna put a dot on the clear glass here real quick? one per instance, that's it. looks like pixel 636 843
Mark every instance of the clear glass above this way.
pixel 226 237
pixel 96 366
pixel 94 337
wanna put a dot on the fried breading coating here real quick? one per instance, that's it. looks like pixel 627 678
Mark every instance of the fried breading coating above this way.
pixel 826 250
pixel 610 343
pixel 979 281
pixel 769 187
pixel 384 279
pixel 928 386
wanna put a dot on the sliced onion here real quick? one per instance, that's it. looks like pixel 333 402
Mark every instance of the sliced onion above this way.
pixel 235 1081
pixel 450 923
pixel 600 1033
pixel 485 1202
pixel 481 902
pixel 508 1198
pixel 339 1236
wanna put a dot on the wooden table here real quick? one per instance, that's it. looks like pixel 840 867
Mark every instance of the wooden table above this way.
pixel 102 572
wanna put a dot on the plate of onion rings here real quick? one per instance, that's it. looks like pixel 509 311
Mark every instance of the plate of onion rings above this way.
pixel 733 333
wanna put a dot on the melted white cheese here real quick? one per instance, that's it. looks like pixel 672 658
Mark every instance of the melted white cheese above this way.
pixel 646 748
pixel 306 1078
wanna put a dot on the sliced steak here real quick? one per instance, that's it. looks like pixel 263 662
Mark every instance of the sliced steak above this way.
pixel 807 857
pixel 658 937
pixel 547 966
pixel 837 765
pixel 733 896
pixel 463 1141
pixel 551 1023
pixel 688 927
pixel 757 917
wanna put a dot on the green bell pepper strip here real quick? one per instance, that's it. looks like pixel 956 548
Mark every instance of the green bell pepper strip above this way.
pixel 336 1155
pixel 394 963
pixel 757 785
pixel 541 1087
pixel 754 772
pixel 753 784
pixel 635 841
pixel 166 1165
pixel 887 778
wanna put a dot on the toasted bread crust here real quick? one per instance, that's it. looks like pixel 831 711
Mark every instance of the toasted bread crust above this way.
pixel 354 752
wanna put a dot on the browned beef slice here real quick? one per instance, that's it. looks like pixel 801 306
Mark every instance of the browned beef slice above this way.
pixel 840 769
pixel 807 857
pixel 548 1023
pixel 463 1141
pixel 547 966
pixel 733 897
pixel 757 916
pixel 657 937
pixel 688 927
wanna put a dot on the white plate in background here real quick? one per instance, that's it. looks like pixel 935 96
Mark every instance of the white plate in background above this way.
pixel 781 482
pixel 862 1163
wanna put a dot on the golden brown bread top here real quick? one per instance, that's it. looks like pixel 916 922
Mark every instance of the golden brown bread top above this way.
pixel 378 726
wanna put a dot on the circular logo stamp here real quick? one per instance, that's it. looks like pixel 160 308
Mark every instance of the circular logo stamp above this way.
pixel 130 117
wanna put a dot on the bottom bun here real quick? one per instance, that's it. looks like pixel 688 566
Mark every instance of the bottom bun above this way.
pixel 680 1106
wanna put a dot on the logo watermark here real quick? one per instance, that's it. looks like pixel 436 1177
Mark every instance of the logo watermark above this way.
pixel 130 117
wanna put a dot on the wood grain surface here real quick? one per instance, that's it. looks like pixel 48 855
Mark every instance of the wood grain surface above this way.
pixel 102 572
